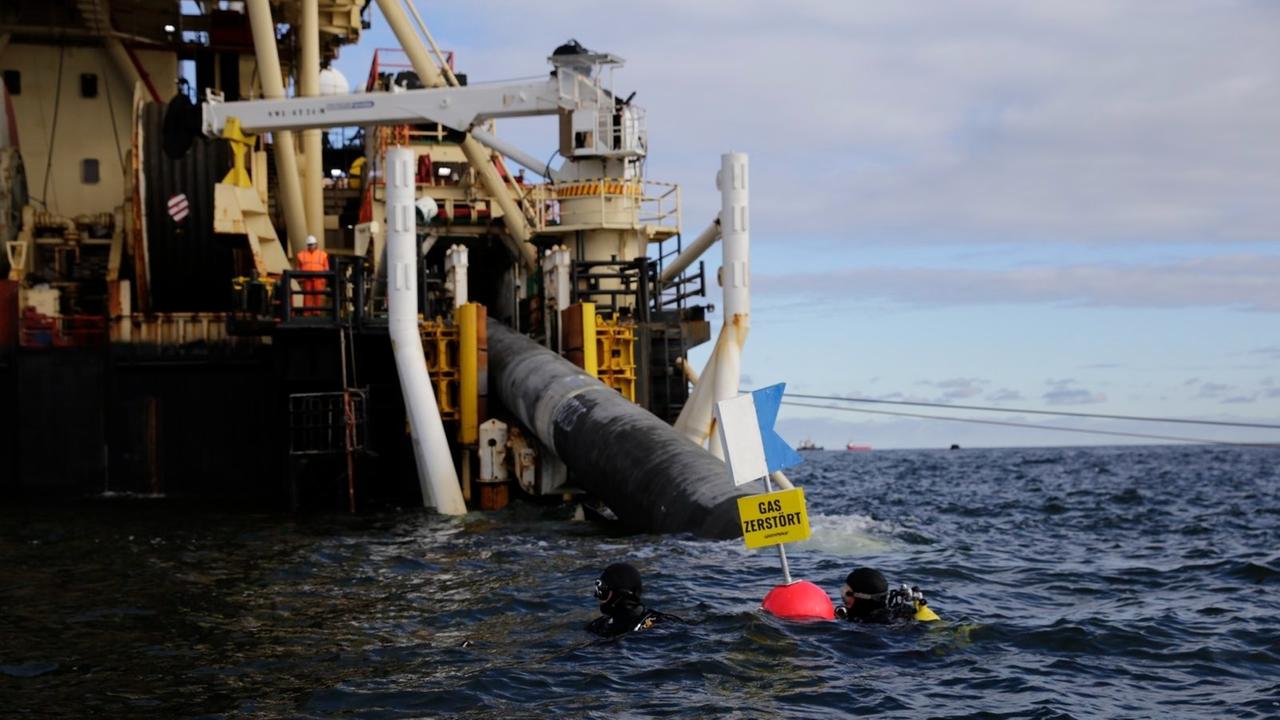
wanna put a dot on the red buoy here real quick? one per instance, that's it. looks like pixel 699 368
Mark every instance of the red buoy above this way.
pixel 801 600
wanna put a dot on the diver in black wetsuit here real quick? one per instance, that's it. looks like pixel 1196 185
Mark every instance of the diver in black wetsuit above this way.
pixel 868 599
pixel 618 590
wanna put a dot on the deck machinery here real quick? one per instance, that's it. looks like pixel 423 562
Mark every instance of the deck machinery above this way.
pixel 155 336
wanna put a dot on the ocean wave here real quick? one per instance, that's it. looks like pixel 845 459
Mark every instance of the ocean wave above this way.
pixel 850 535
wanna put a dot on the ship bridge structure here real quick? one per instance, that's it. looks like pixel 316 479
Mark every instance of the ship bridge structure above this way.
pixel 484 325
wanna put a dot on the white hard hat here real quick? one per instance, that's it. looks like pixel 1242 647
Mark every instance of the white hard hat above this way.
pixel 311 240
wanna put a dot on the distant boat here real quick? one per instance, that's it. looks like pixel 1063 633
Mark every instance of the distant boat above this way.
pixel 857 448
pixel 807 444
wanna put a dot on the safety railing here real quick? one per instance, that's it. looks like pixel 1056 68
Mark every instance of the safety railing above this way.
pixel 346 296
pixel 619 129
pixel 392 59
pixel 615 287
pixel 656 203
pixel 309 297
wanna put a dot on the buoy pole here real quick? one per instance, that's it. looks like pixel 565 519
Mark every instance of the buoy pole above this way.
pixel 782 548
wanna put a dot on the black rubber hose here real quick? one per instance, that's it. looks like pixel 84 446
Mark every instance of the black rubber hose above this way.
pixel 652 477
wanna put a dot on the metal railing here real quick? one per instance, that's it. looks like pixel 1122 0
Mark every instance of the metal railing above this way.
pixel 657 203
pixel 327 423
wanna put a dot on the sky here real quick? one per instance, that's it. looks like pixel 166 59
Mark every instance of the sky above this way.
pixel 1062 205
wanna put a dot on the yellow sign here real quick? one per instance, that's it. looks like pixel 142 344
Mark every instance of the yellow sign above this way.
pixel 773 518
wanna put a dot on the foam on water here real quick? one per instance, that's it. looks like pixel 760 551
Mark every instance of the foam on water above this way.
pixel 848 535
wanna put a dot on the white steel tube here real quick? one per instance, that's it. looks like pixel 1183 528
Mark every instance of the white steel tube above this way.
pixel 735 272
pixel 694 251
pixel 696 417
pixel 722 376
pixel 455 265
pixel 735 275
pixel 264 45
pixel 309 86
pixel 436 474
pixel 735 278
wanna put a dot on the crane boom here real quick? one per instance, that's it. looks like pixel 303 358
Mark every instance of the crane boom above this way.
pixel 458 108
pixel 597 123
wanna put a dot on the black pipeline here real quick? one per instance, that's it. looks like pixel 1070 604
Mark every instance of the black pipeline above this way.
pixel 652 477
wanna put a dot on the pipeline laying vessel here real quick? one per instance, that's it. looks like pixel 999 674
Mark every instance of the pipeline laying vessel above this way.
pixel 483 323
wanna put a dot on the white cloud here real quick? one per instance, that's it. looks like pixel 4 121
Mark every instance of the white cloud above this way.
pixel 997 120
pixel 961 388
pixel 1064 392
pixel 1213 390
pixel 1005 395
pixel 1236 281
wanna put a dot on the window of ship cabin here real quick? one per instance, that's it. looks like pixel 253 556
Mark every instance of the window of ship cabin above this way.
pixel 89 171
pixel 13 82
pixel 88 85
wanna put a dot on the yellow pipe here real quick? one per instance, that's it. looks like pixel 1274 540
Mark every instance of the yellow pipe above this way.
pixel 309 86
pixel 477 155
pixel 590 361
pixel 264 44
pixel 468 373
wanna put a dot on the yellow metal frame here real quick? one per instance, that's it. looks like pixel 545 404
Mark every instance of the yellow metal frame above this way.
pixel 440 346
pixel 615 355
pixel 240 145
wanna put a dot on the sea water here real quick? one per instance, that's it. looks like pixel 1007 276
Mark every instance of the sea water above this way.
pixel 1072 583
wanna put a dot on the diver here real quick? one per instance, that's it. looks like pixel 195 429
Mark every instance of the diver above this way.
pixel 868 599
pixel 618 590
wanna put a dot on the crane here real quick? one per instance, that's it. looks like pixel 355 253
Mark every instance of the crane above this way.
pixel 594 123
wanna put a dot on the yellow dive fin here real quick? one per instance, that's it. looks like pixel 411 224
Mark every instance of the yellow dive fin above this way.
pixel 925 614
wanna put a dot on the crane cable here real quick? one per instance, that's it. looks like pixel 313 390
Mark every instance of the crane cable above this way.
pixel 1119 433
pixel 1062 413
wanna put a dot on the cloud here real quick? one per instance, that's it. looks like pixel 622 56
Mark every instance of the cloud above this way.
pixel 1270 352
pixel 1066 120
pixel 1229 281
pixel 960 388
pixel 1063 392
pixel 1005 395
pixel 834 430
pixel 1213 390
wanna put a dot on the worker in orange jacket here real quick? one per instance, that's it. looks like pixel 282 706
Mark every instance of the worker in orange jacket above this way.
pixel 313 259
